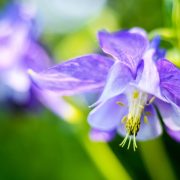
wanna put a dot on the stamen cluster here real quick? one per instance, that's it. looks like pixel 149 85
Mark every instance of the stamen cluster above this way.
pixel 132 121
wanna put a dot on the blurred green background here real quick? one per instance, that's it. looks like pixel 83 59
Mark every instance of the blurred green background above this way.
pixel 37 145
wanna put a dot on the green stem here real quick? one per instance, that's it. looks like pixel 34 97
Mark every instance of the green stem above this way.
pixel 105 160
pixel 156 160
pixel 176 20
pixel 100 153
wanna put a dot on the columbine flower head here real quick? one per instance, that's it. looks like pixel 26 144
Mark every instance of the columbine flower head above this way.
pixel 136 82
pixel 140 82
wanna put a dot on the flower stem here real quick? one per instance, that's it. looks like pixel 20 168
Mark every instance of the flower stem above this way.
pixel 100 153
pixel 176 20
pixel 156 160
pixel 105 159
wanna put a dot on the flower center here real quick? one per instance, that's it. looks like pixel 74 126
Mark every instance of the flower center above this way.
pixel 137 102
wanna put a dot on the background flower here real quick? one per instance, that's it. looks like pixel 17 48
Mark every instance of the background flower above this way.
pixel 20 50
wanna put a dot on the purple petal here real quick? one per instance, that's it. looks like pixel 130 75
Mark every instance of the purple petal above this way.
pixel 14 34
pixel 75 76
pixel 174 134
pixel 117 80
pixel 15 85
pixel 108 115
pixel 36 58
pixel 140 31
pixel 55 103
pixel 13 46
pixel 154 44
pixel 102 136
pixel 149 80
pixel 170 115
pixel 19 11
pixel 159 54
pixel 125 46
pixel 169 80
pixel 152 128
pixel 17 79
pixel 149 130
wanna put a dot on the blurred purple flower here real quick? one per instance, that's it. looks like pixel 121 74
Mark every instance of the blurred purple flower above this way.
pixel 19 50
pixel 134 86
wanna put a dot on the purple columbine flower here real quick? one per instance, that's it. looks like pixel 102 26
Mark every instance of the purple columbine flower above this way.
pixel 135 86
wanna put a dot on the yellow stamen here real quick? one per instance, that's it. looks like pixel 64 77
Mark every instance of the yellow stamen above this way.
pixel 124 119
pixel 134 143
pixel 130 138
pixel 151 100
pixel 148 113
pixel 120 103
pixel 137 103
pixel 124 141
pixel 135 94
pixel 145 119
pixel 142 107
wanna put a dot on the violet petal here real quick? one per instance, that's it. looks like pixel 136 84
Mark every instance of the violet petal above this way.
pixel 36 58
pixel 102 136
pixel 139 30
pixel 55 103
pixel 14 34
pixel 117 80
pixel 174 134
pixel 108 115
pixel 169 80
pixel 75 76
pixel 170 114
pixel 155 42
pixel 149 80
pixel 152 128
pixel 125 46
